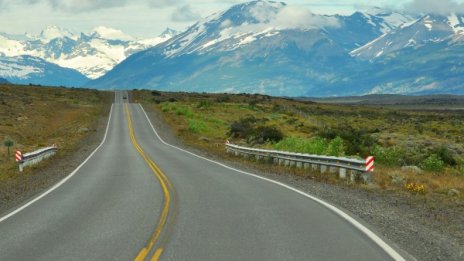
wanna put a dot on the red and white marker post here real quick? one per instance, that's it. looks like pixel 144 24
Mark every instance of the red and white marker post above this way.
pixel 370 164
pixel 18 156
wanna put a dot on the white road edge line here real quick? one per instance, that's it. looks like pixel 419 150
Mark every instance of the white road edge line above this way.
pixel 16 211
pixel 382 244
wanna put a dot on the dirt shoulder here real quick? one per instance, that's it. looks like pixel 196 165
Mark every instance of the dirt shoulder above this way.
pixel 15 192
pixel 427 229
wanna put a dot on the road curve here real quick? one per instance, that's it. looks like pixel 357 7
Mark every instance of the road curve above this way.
pixel 139 198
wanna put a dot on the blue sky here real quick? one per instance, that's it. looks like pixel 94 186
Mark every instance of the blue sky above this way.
pixel 147 18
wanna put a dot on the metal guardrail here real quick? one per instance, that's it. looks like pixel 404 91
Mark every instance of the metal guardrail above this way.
pixel 32 158
pixel 306 161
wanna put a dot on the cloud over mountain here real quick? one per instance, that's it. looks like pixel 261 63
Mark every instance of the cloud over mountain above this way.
pixel 442 7
pixel 185 14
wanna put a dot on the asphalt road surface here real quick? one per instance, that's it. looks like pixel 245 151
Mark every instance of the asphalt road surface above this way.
pixel 139 198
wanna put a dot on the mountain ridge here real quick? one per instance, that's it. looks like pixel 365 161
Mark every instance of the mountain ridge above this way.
pixel 251 47
pixel 27 69
pixel 92 54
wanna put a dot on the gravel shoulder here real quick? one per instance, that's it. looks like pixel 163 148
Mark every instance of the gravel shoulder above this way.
pixel 426 229
pixel 18 191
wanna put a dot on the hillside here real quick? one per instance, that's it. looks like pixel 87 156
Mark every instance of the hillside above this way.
pixel 37 117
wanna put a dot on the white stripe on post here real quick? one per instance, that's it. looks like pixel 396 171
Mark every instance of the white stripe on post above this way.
pixel 19 156
pixel 370 164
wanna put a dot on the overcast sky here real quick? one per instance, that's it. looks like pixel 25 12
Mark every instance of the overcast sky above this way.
pixel 148 18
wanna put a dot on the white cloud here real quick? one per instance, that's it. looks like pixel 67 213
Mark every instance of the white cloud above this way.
pixel 443 7
pixel 185 14
pixel 89 5
pixel 85 5
pixel 293 17
pixel 163 3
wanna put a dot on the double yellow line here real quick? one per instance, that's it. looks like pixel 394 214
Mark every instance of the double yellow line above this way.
pixel 165 185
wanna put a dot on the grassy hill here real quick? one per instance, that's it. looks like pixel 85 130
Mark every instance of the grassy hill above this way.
pixel 36 117
pixel 430 140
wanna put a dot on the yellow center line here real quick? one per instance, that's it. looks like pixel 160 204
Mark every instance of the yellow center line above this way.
pixel 167 197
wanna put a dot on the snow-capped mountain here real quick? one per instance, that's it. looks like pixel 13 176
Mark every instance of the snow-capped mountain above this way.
pixel 28 69
pixel 362 27
pixel 91 54
pixel 429 29
pixel 259 46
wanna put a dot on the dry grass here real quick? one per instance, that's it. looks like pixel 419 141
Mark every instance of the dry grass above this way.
pixel 203 120
pixel 35 117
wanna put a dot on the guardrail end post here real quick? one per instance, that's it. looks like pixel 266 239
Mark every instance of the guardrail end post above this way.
pixel 21 167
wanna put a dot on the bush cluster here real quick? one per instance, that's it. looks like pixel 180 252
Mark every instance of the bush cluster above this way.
pixel 433 163
pixel 315 145
pixel 254 131
pixel 357 141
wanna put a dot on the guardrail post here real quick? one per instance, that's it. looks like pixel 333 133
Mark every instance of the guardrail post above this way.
pixel 299 164
pixel 342 173
pixel 314 166
pixel 306 165
pixel 323 168
pixel 21 168
pixel 353 175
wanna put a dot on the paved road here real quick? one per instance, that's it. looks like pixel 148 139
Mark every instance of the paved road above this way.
pixel 137 197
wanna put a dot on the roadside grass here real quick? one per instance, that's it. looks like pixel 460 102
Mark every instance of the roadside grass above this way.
pixel 36 117
pixel 431 140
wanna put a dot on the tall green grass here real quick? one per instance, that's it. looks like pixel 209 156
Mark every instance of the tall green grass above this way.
pixel 315 145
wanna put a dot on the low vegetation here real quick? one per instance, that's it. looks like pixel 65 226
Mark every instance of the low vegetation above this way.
pixel 35 117
pixel 416 150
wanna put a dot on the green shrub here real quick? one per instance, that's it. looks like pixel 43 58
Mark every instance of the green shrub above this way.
pixel 461 169
pixel 243 128
pixel 183 111
pixel 336 147
pixel 356 141
pixel 155 93
pixel 267 134
pixel 392 156
pixel 197 126
pixel 445 155
pixel 203 104
pixel 433 163
pixel 314 145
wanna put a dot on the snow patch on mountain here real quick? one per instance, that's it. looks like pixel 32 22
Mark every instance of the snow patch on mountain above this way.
pixel 53 32
pixel 15 67
pixel 110 34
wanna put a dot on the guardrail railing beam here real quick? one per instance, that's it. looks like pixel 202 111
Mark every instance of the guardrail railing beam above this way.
pixel 323 164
